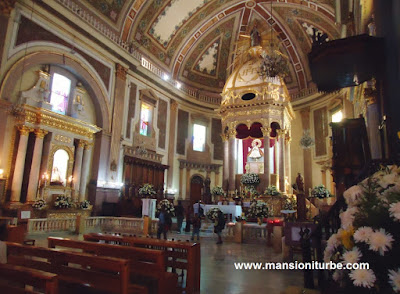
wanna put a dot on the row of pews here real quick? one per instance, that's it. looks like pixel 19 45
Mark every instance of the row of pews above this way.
pixel 102 263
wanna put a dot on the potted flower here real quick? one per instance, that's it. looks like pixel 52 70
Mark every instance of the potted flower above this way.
pixel 259 210
pixel 369 233
pixel 39 204
pixel 321 196
pixel 63 202
pixel 168 206
pixel 85 204
pixel 250 179
pixel 272 190
pixel 147 191
pixel 213 213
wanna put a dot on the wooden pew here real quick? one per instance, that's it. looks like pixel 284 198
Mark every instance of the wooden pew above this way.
pixel 17 280
pixel 181 255
pixel 145 264
pixel 85 272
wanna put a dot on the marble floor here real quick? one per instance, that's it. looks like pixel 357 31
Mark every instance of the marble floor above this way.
pixel 218 274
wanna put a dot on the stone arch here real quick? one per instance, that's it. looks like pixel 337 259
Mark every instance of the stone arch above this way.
pixel 71 63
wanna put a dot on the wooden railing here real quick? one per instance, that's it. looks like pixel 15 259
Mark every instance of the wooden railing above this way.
pixel 11 221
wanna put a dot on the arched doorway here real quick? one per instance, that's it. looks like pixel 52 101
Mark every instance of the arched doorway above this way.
pixel 196 188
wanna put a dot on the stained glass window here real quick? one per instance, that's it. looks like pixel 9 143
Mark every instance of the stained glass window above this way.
pixel 199 137
pixel 145 118
pixel 60 88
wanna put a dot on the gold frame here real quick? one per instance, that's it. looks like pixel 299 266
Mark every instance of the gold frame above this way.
pixel 54 148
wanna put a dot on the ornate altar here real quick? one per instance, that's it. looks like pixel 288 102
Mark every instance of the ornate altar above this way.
pixel 256 113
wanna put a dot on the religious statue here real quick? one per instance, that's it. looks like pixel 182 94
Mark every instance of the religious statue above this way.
pixel 255 37
pixel 299 183
pixel 255 152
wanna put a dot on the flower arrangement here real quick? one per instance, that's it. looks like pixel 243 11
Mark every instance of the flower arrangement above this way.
pixel 250 179
pixel 217 191
pixel 168 206
pixel 85 204
pixel 63 202
pixel 272 190
pixel 258 209
pixel 39 204
pixel 213 213
pixel 370 232
pixel 251 191
pixel 290 204
pixel 320 192
pixel 147 190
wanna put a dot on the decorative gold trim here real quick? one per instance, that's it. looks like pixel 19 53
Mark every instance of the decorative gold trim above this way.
pixel 24 130
pixel 43 117
pixel 6 6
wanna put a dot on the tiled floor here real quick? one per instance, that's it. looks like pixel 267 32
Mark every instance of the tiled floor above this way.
pixel 218 274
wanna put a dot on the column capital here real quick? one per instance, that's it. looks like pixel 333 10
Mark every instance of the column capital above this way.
pixel 224 137
pixel 24 130
pixel 288 138
pixel 88 145
pixel 40 133
pixel 6 6
pixel 231 134
pixel 371 95
pixel 266 131
pixel 81 143
pixel 121 71
pixel 173 104
pixel 281 132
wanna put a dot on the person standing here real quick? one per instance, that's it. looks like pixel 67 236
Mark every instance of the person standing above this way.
pixel 180 212
pixel 162 223
pixel 219 226
pixel 196 226
pixel 188 218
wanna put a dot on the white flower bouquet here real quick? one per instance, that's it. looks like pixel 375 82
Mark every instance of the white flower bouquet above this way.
pixel 320 192
pixel 370 232
pixel 258 209
pixel 62 202
pixel 217 191
pixel 168 206
pixel 147 190
pixel 85 204
pixel 272 190
pixel 213 213
pixel 39 204
pixel 250 179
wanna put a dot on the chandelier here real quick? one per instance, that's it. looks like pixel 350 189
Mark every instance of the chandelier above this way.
pixel 274 63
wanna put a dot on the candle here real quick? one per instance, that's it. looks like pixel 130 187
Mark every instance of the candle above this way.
pixel 70 180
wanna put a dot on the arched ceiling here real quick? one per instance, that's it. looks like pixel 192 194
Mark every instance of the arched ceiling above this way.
pixel 195 40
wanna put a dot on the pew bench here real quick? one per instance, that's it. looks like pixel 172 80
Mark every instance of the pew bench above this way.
pixel 85 273
pixel 180 255
pixel 146 265
pixel 21 280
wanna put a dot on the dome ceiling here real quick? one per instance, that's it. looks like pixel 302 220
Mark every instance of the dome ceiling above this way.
pixel 195 40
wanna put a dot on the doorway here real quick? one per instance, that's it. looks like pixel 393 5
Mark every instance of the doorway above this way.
pixel 196 188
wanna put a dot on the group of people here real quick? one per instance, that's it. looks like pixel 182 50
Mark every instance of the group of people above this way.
pixel 193 218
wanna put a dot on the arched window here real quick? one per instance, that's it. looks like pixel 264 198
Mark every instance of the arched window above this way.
pixel 60 167
pixel 145 119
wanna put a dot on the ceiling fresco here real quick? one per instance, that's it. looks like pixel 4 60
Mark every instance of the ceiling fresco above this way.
pixel 195 41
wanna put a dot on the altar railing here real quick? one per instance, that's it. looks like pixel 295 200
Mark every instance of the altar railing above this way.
pixel 44 225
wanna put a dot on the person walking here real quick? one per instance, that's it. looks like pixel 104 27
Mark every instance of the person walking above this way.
pixel 196 221
pixel 219 226
pixel 179 212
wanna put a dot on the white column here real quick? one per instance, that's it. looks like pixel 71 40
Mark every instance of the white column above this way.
pixel 225 181
pixel 282 160
pixel 287 159
pixel 85 171
pixel 78 167
pixel 266 132
pixel 19 164
pixel 232 136
pixel 35 167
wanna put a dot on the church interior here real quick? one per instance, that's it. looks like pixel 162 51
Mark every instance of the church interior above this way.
pixel 269 126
